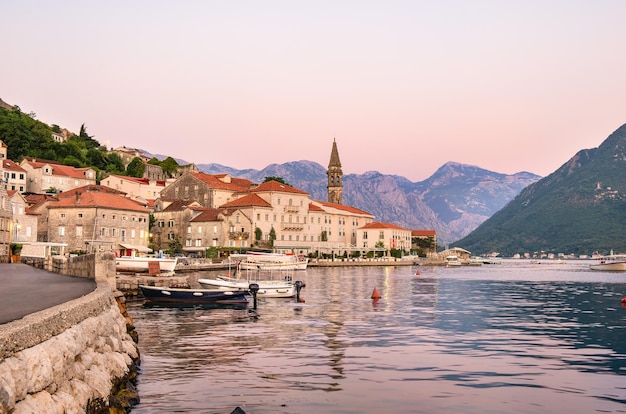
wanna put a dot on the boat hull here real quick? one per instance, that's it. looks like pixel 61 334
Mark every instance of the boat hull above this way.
pixel 156 294
pixel 142 264
pixel 609 266
pixel 267 288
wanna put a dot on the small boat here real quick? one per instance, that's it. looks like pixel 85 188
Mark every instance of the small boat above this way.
pixel 267 288
pixel 272 261
pixel 613 263
pixel 452 260
pixel 157 294
pixel 139 264
pixel 273 283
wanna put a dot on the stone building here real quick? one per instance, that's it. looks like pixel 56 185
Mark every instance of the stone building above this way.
pixel 24 220
pixel 428 236
pixel 43 176
pixel 210 191
pixel 97 218
pixel 38 207
pixel 6 225
pixel 141 188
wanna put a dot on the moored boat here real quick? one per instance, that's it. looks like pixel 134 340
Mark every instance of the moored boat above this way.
pixel 272 261
pixel 272 282
pixel 612 263
pixel 157 294
pixel 139 264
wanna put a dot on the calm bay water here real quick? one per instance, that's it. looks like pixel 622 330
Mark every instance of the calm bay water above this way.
pixel 515 337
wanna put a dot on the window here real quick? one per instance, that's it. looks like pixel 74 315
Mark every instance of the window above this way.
pixel 381 235
pixel 79 231
pixel 123 235
pixel 61 231
pixel 62 215
pixel 199 229
pixel 170 223
pixel 132 233
pixel 188 242
pixel 80 215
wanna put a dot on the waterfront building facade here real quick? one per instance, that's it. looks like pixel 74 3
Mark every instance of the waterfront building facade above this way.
pixel 24 220
pixel 6 225
pixel 387 236
pixel 96 218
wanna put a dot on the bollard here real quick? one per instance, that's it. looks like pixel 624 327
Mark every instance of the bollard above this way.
pixel 298 284
pixel 254 288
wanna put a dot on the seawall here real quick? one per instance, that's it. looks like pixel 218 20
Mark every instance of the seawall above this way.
pixel 74 357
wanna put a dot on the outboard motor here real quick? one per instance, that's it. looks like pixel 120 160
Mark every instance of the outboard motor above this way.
pixel 254 289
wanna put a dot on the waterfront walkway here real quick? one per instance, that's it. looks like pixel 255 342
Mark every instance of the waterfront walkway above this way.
pixel 25 290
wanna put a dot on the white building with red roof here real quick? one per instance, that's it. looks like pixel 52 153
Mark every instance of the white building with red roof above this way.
pixel 47 176
pixel 141 188
pixel 14 176
pixel 383 235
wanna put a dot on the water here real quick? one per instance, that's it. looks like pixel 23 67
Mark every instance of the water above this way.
pixel 515 337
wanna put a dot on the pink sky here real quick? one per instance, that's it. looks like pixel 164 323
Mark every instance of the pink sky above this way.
pixel 403 86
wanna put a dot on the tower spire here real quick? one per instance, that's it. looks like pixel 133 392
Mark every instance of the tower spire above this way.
pixel 335 176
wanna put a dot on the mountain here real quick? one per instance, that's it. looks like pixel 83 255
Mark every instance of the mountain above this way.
pixel 453 201
pixel 579 209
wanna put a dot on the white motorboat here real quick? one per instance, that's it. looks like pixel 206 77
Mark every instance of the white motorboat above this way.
pixel 274 282
pixel 614 263
pixel 145 264
pixel 453 260
pixel 272 261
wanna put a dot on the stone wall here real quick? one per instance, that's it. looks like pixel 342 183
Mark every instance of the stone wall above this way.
pixel 73 357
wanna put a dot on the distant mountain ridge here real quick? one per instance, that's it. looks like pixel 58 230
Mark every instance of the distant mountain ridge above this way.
pixel 453 201
pixel 580 208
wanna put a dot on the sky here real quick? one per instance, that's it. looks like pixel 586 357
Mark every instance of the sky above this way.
pixel 402 86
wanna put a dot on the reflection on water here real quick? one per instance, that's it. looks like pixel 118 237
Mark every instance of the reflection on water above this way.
pixel 514 337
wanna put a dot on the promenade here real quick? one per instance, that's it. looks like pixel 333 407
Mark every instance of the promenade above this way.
pixel 25 290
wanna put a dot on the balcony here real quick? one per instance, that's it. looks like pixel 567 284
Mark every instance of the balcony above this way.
pixel 238 235
pixel 292 226
pixel 292 209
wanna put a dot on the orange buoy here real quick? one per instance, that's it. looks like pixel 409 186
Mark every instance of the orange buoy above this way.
pixel 417 272
pixel 375 294
pixel 301 299
pixel 624 300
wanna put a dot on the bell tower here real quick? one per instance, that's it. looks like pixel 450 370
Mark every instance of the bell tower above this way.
pixel 335 177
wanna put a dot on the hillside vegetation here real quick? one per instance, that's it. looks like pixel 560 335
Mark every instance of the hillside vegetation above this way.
pixel 579 209
pixel 25 136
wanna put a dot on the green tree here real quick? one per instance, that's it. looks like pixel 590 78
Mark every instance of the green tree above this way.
pixel 279 179
pixel 169 166
pixel 136 168
pixel 115 165
pixel 258 234
pixel 272 236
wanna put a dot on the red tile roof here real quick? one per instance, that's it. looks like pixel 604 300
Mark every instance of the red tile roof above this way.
pixel 210 214
pixel 315 207
pixel 343 207
pixel 236 184
pixel 145 181
pixel 423 233
pixel 275 186
pixel 98 199
pixel 379 225
pixel 12 166
pixel 251 200
pixel 59 169
pixel 180 205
